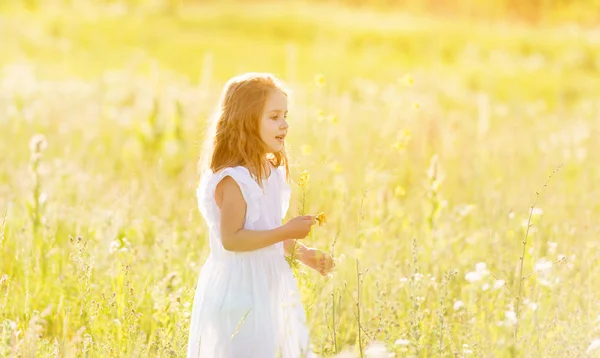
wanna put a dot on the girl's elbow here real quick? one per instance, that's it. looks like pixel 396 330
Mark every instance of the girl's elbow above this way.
pixel 229 243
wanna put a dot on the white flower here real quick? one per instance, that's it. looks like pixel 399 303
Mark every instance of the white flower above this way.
pixel 376 350
pixel 533 306
pixel 594 346
pixel 498 284
pixel 458 305
pixel 510 318
pixel 552 247
pixel 38 143
pixel 402 342
pixel 485 287
pixel 473 276
pixel 543 265
pixel 537 212
pixel 115 245
pixel 481 267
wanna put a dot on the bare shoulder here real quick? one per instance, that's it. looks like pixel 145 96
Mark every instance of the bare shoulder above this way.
pixel 229 191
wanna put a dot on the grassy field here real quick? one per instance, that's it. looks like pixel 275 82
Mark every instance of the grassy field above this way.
pixel 426 138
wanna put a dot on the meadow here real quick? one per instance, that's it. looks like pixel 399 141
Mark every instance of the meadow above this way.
pixel 456 160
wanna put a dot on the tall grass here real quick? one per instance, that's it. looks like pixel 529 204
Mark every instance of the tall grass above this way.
pixel 450 125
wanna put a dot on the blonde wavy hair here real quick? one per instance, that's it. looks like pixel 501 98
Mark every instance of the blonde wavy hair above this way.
pixel 234 133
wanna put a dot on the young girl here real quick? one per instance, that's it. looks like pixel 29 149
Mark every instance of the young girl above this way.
pixel 247 303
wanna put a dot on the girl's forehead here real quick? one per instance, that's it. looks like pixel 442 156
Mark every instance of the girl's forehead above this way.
pixel 277 100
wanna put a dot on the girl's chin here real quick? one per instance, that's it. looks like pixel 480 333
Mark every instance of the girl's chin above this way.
pixel 276 149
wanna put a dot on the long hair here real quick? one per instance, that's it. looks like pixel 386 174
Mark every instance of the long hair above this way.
pixel 234 134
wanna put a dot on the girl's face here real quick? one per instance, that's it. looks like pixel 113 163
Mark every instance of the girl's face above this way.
pixel 273 124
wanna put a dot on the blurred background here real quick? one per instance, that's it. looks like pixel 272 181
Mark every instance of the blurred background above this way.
pixel 428 128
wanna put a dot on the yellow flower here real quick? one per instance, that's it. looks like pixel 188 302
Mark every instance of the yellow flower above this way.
pixel 399 191
pixel 333 118
pixel 321 116
pixel 407 79
pixel 320 80
pixel 321 218
pixel 337 168
pixel 416 106
pixel 403 140
pixel 306 149
pixel 304 179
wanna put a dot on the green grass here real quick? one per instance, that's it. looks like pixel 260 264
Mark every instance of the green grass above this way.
pixel 102 259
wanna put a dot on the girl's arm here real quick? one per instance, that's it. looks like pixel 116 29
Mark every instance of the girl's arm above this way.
pixel 234 237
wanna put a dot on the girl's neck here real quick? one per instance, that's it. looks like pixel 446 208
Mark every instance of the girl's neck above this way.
pixel 267 166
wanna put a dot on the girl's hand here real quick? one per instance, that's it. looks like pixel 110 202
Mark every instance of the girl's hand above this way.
pixel 299 227
pixel 319 261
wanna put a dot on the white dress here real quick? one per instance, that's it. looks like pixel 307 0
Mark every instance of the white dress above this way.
pixel 247 304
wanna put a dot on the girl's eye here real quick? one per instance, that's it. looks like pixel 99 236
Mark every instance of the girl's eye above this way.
pixel 274 118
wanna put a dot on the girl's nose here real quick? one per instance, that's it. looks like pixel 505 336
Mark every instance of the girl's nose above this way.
pixel 285 125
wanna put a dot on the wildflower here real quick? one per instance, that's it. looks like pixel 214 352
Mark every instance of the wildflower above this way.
pixel 402 342
pixel 319 80
pixel 407 79
pixel 38 143
pixel 499 284
pixel 416 106
pixel 321 218
pixel 466 350
pixel 458 305
pixel 552 247
pixel 510 318
pixel 115 245
pixel 321 116
pixel 337 168
pixel 473 276
pixel 543 265
pixel 399 191
pixel 537 212
pixel 306 149
pixel 376 349
pixel 481 267
pixel 304 179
